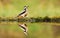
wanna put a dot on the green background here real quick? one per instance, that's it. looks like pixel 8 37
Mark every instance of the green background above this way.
pixel 37 8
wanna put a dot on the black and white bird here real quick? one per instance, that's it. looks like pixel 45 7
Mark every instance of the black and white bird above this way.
pixel 23 13
pixel 24 28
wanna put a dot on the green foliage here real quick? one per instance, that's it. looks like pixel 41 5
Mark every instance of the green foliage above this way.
pixel 31 19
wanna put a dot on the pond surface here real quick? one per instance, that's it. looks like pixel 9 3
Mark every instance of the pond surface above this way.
pixel 35 30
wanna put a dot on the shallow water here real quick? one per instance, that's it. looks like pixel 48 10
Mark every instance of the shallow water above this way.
pixel 35 30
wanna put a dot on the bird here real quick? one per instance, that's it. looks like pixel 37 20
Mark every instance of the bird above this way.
pixel 23 13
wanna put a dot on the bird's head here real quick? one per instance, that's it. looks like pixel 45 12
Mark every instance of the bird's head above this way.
pixel 26 6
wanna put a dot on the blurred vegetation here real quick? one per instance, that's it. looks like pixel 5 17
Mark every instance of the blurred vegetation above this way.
pixel 11 8
pixel 31 19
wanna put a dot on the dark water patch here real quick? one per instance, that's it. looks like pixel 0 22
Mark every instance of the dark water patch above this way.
pixel 56 31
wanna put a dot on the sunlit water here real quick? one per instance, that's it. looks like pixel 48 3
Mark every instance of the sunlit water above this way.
pixel 35 30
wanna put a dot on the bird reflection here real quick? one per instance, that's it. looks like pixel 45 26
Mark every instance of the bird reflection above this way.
pixel 23 27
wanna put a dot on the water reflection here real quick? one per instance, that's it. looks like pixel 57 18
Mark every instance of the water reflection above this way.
pixel 23 26
pixel 36 30
pixel 10 30
pixel 56 31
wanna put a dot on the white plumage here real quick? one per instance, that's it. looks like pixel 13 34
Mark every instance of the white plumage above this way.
pixel 24 12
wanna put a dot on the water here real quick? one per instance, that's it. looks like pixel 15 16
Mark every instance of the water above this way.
pixel 35 30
